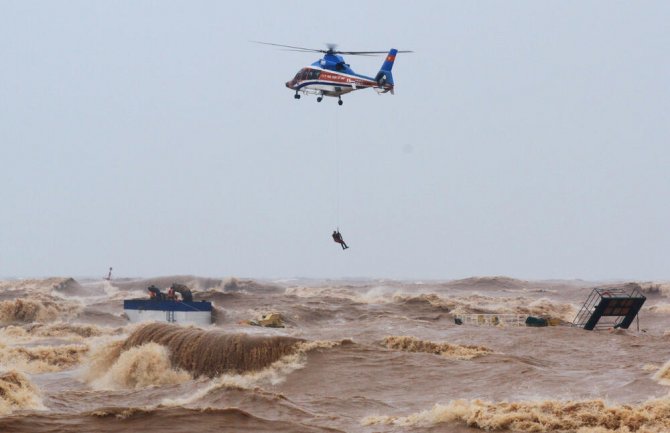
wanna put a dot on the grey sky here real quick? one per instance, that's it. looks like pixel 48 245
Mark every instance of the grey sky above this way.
pixel 525 138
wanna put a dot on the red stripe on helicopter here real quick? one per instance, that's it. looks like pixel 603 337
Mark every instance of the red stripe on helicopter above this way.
pixel 326 76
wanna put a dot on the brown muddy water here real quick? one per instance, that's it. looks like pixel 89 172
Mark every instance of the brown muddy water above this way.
pixel 355 356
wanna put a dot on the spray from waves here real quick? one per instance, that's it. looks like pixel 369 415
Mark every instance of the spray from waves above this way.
pixel 45 285
pixel 362 294
pixel 211 353
pixel 452 351
pixel 274 374
pixel 112 368
pixel 233 284
pixel 430 299
pixel 42 359
pixel 647 288
pixel 17 392
pixel 35 310
pixel 591 416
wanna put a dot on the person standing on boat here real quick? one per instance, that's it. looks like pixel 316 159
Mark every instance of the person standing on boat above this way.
pixel 185 292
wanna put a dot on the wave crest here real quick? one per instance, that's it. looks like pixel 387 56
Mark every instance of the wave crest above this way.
pixel 211 353
pixel 590 416
pixel 138 367
pixel 42 359
pixel 274 374
pixel 17 392
pixel 453 351
pixel 31 310
pixel 33 285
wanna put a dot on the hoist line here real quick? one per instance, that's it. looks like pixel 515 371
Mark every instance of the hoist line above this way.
pixel 337 169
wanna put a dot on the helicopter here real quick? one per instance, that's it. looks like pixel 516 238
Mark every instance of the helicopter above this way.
pixel 331 76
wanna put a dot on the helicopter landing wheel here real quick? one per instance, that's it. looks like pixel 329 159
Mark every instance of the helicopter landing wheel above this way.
pixel 296 96
pixel 319 99
pixel 340 102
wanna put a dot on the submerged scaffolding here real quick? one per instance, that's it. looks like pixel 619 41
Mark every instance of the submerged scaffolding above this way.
pixel 492 319
pixel 619 307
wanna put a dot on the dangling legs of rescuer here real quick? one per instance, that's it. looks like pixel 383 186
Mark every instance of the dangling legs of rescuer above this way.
pixel 337 237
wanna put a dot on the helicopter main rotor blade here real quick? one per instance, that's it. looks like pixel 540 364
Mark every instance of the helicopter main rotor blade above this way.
pixel 367 53
pixel 291 47
pixel 329 51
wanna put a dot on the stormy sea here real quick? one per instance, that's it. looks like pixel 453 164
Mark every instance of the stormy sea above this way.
pixel 341 356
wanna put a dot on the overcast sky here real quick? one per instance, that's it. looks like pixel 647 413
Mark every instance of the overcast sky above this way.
pixel 525 138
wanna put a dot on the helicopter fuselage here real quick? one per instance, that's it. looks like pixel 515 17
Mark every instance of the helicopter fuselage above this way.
pixel 331 76
pixel 320 81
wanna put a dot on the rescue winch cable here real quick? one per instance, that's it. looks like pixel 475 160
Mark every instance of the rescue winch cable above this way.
pixel 337 170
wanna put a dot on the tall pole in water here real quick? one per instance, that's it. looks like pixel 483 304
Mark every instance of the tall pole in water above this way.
pixel 109 275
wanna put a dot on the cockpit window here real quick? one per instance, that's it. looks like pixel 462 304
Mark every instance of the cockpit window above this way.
pixel 307 74
pixel 314 74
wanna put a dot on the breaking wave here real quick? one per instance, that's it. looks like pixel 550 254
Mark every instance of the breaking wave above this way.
pixel 453 351
pixel 138 367
pixel 130 364
pixel 211 353
pixel 274 374
pixel 590 416
pixel 41 359
pixel 31 310
pixel 234 284
pixel 647 288
pixel 69 286
pixel 430 299
pixel 45 285
pixel 17 392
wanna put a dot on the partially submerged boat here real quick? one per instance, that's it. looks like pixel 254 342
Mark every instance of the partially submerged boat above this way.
pixel 142 310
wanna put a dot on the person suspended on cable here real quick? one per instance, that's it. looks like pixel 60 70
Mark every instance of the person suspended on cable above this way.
pixel 337 237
